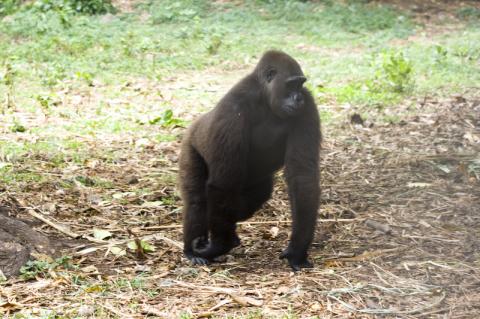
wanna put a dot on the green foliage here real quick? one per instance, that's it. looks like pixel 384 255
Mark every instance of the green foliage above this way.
pixel 86 76
pixel 394 73
pixel 35 268
pixel 90 7
pixel 7 77
pixel 352 16
pixel 49 5
pixel 31 23
pixel 9 6
pixel 17 127
pixel 177 11
pixel 53 74
pixel 391 78
pixel 356 17
pixel 50 48
pixel 467 52
pixel 46 102
pixel 441 54
pixel 215 43
pixel 167 120
pixel 469 13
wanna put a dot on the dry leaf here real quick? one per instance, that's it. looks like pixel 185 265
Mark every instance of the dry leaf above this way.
pixel 282 290
pixel 90 269
pixel 274 232
pixel 101 233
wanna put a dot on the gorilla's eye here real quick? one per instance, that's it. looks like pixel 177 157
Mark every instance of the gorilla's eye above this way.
pixel 295 82
pixel 270 74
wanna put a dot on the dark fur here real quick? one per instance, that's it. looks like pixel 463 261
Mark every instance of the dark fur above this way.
pixel 229 156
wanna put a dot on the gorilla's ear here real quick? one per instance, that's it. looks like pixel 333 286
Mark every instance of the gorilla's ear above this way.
pixel 270 73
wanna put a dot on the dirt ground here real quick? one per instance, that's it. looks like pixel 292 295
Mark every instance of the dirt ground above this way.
pixel 398 234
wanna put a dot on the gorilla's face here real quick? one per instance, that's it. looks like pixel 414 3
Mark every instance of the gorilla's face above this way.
pixel 285 88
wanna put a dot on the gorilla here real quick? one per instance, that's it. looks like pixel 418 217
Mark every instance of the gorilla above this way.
pixel 267 121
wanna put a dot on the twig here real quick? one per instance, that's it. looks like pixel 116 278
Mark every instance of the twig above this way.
pixel 61 228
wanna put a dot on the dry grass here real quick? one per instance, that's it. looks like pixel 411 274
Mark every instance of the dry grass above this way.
pixel 398 234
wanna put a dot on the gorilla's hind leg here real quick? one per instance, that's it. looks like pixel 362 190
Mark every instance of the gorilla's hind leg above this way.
pixel 193 172
pixel 223 238
pixel 223 226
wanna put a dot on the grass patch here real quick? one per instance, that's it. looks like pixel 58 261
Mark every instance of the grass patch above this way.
pixel 97 76
pixel 471 14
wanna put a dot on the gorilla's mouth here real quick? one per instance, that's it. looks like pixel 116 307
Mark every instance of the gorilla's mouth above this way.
pixel 291 109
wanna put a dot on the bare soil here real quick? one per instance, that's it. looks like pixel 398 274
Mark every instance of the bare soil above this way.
pixel 398 234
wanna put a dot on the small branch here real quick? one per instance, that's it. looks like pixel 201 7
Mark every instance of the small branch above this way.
pixel 61 228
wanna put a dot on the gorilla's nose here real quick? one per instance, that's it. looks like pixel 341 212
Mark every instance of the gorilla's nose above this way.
pixel 298 98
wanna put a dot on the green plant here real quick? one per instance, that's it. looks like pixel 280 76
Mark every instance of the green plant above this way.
pixel 167 120
pixel 394 73
pixel 177 10
pixel 46 102
pixel 49 5
pixel 468 52
pixel 53 74
pixel 441 54
pixel 8 79
pixel 214 44
pixel 91 7
pixel 352 16
pixel 17 127
pixel 9 6
pixel 86 76
pixel 469 13
pixel 34 268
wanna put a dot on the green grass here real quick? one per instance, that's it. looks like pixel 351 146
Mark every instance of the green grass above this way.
pixel 193 35
pixel 97 76
pixel 205 35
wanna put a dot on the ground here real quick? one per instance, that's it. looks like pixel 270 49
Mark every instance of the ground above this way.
pixel 93 113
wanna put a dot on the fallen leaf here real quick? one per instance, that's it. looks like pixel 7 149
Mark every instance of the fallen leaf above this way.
pixel 152 204
pixel 94 289
pixel 90 269
pixel 117 251
pixel 101 234
pixel 282 290
pixel 147 247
